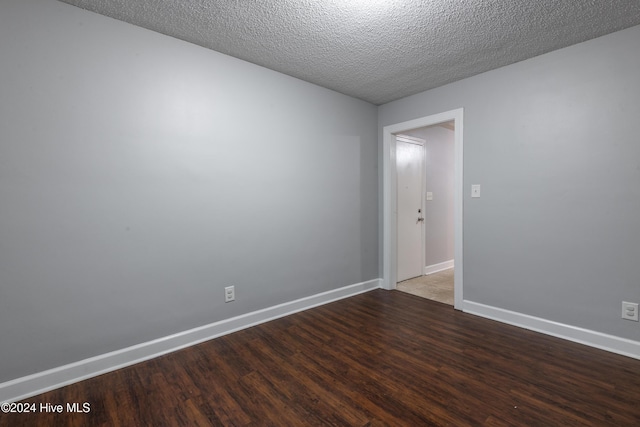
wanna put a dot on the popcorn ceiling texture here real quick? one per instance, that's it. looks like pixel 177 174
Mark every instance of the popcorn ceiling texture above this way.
pixel 377 50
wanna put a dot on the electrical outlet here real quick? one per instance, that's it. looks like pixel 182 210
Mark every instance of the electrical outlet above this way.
pixel 229 294
pixel 630 311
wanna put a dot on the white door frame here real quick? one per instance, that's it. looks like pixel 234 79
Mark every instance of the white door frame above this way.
pixel 389 209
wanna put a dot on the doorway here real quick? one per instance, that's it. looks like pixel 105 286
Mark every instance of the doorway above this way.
pixel 434 279
pixel 390 211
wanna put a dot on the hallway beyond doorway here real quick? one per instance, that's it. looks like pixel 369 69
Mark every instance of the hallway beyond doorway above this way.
pixel 436 287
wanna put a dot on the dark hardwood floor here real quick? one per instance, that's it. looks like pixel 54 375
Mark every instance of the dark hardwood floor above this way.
pixel 384 358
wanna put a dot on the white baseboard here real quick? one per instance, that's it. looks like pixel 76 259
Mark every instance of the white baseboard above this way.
pixel 434 268
pixel 588 337
pixel 31 385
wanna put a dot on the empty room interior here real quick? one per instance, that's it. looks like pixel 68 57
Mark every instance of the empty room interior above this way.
pixel 204 221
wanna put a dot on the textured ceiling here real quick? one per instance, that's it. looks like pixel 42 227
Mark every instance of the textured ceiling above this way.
pixel 377 50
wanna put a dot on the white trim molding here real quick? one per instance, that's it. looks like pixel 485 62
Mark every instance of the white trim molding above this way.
pixel 31 385
pixel 389 209
pixel 441 266
pixel 588 337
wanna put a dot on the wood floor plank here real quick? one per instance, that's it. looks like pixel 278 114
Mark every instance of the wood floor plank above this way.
pixel 383 358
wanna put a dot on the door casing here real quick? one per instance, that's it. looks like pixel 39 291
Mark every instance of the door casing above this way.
pixel 389 194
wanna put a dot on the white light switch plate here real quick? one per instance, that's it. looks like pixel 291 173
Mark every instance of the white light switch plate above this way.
pixel 429 195
pixel 475 190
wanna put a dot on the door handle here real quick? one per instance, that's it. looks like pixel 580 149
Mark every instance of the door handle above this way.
pixel 420 219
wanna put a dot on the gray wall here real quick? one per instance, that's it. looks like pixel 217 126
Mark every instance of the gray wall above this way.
pixel 140 175
pixel 554 142
pixel 439 179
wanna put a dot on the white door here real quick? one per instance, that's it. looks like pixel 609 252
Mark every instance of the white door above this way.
pixel 410 217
